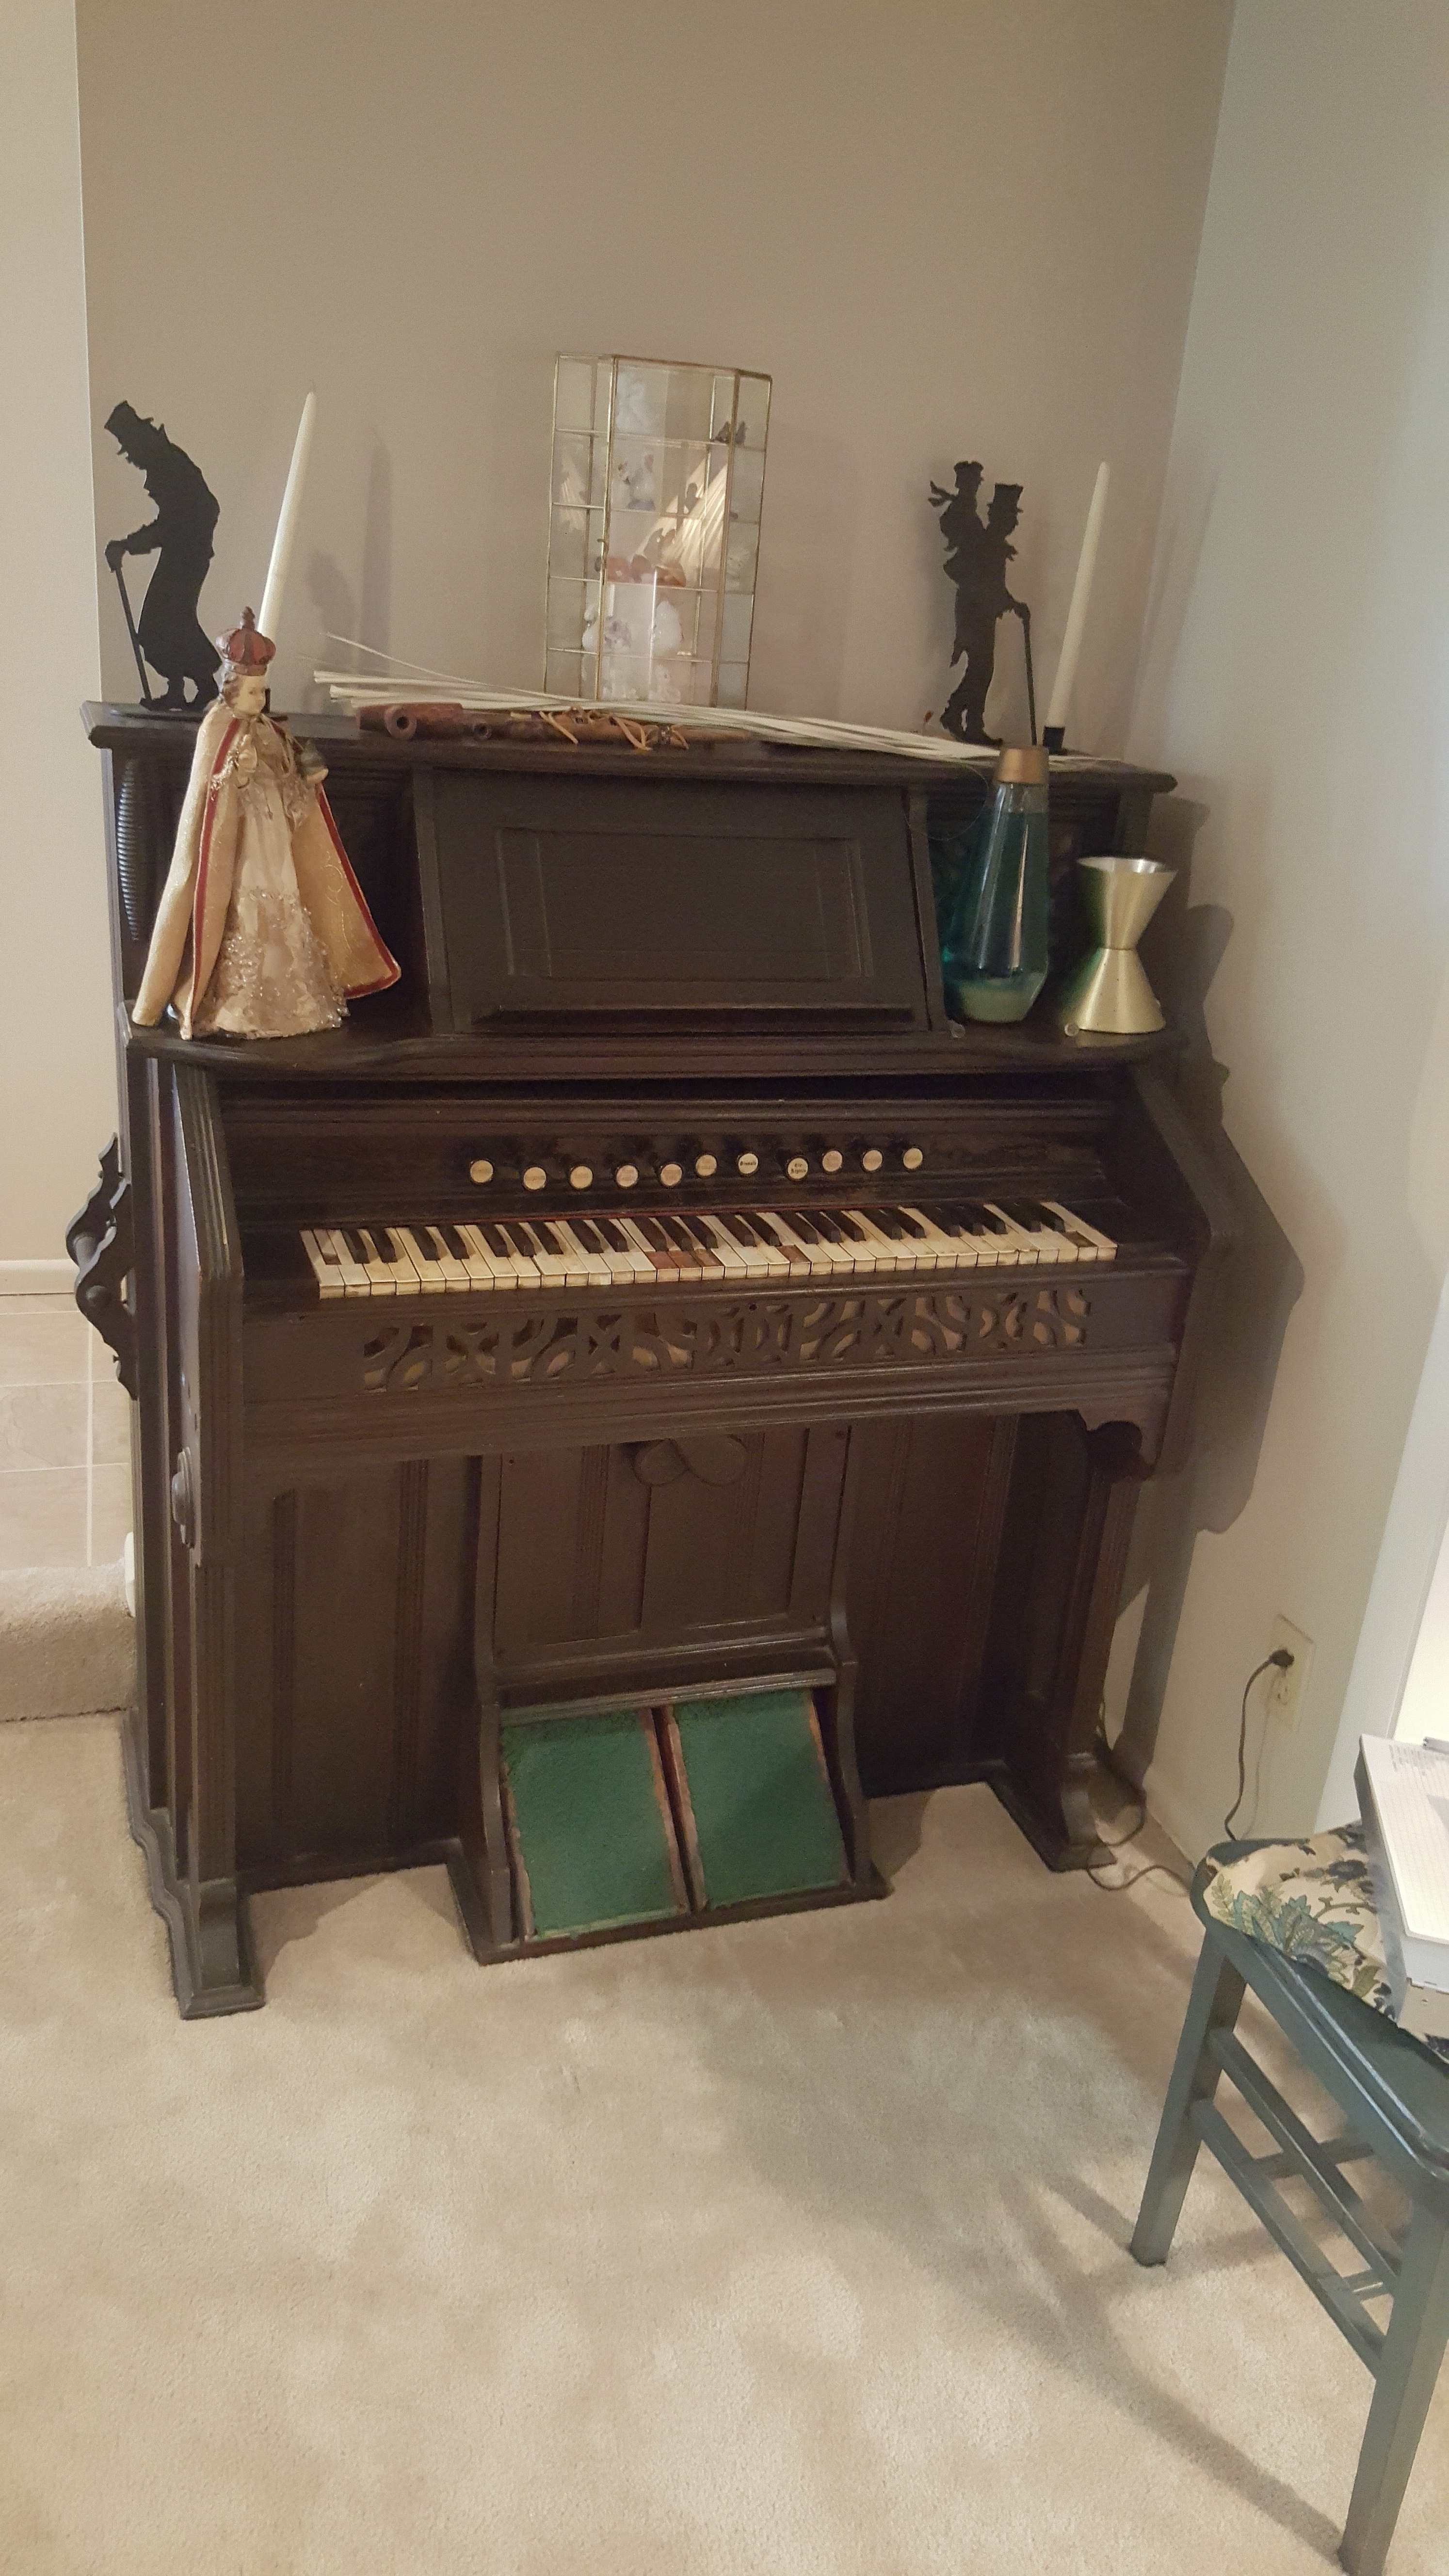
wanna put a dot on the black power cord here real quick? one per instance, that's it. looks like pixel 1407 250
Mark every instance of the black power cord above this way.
pixel 1284 1662
pixel 1107 1756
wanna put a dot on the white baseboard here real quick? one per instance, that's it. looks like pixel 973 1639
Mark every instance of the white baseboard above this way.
pixel 36 1278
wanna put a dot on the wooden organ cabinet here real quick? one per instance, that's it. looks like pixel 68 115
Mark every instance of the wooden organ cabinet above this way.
pixel 645 1383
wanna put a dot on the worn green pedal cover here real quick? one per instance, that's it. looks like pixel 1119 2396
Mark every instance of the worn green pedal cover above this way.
pixel 764 1818
pixel 592 1832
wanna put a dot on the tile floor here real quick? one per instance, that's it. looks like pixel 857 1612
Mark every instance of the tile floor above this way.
pixel 65 1439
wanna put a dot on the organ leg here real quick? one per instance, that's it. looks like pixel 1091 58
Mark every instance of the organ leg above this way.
pixel 1057 1595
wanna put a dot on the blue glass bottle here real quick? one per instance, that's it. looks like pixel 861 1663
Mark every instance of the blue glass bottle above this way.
pixel 994 957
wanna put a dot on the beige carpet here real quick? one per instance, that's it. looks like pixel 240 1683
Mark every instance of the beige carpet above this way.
pixel 795 2249
pixel 67 1641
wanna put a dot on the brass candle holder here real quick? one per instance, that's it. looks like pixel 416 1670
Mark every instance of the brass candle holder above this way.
pixel 1108 994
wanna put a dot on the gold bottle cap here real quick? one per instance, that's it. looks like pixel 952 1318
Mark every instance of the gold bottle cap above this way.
pixel 1024 768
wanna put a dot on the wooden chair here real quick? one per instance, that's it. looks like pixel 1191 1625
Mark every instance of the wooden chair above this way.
pixel 1395 2098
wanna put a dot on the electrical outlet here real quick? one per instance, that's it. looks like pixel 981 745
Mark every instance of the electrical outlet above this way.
pixel 1285 1689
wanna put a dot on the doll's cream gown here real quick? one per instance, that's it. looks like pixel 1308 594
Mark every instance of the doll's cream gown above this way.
pixel 262 929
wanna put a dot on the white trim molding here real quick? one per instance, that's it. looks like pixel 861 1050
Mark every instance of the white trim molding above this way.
pixel 36 1278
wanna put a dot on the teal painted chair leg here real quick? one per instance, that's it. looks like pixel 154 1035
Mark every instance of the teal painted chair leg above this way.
pixel 1408 2367
pixel 1217 1993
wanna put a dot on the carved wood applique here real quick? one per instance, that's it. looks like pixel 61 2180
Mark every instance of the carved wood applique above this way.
pixel 99 1241
pixel 764 1335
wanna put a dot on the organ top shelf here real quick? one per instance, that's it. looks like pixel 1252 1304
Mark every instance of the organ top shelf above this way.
pixel 718 912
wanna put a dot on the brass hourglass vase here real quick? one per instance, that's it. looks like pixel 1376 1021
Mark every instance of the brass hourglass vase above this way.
pixel 1108 995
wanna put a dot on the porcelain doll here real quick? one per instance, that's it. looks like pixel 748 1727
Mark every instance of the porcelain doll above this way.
pixel 262 931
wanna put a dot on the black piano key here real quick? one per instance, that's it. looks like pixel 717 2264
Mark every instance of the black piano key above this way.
pixel 736 1223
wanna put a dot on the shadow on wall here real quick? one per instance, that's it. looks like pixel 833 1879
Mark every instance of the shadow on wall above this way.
pixel 343 612
pixel 1260 1285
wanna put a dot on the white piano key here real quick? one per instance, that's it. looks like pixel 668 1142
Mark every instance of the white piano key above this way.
pixel 355 1281
pixel 510 1268
pixel 427 1269
pixel 692 1230
pixel 997 1243
pixel 771 1223
pixel 729 1254
pixel 951 1251
pixel 851 1256
pixel 454 1270
pixel 828 1260
pixel 1023 1250
pixel 886 1255
pixel 654 1270
pixel 1050 1241
pixel 325 1269
pixel 394 1252
pixel 553 1267
pixel 681 1262
pixel 596 1271
pixel 681 1233
pixel 526 1272
pixel 766 1258
pixel 1092 1244
pixel 628 1265
pixel 485 1268
pixel 577 1272
pixel 382 1273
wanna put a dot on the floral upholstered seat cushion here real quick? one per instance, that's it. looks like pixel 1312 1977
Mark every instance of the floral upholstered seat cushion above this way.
pixel 1314 1901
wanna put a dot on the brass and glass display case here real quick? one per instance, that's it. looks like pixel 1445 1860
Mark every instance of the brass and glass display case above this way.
pixel 654 530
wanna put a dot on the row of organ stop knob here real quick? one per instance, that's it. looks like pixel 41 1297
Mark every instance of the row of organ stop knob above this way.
pixel 690 1162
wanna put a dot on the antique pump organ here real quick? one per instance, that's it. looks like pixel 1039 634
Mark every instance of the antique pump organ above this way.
pixel 643 1385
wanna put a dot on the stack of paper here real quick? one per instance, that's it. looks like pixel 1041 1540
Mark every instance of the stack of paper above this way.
pixel 1403 1793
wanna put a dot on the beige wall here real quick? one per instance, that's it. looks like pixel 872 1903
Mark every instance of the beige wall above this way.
pixel 946 228
pixel 1296 677
pixel 56 1054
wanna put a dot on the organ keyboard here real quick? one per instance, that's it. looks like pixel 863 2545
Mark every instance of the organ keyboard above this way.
pixel 674 1246
pixel 649 1355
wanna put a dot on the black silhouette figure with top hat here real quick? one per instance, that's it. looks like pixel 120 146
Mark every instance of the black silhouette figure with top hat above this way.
pixel 168 632
pixel 976 559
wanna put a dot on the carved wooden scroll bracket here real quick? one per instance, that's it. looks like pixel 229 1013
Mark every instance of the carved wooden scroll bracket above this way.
pixel 99 1241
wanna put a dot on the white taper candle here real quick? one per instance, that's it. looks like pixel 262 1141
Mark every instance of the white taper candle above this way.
pixel 1081 594
pixel 271 607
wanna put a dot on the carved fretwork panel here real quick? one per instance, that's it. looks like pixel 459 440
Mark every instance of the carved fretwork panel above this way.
pixel 764 1335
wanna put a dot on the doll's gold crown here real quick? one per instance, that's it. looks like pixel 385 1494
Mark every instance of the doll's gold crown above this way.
pixel 244 648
